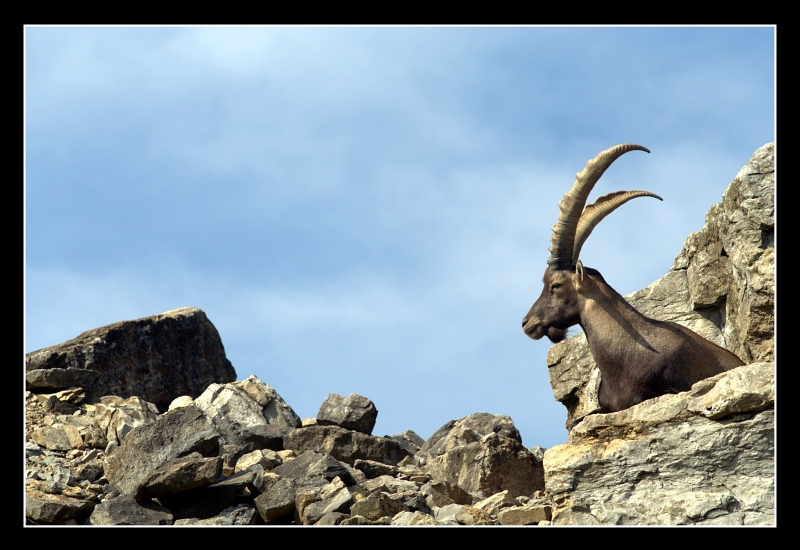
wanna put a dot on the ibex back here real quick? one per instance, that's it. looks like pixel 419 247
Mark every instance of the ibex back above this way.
pixel 638 357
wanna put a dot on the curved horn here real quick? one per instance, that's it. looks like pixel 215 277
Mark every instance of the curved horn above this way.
pixel 571 206
pixel 598 210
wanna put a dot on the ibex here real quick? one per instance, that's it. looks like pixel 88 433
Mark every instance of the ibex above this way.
pixel 638 357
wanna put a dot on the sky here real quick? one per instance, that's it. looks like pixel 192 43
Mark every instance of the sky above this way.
pixel 368 209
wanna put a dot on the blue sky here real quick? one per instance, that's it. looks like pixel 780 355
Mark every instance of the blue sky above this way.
pixel 368 209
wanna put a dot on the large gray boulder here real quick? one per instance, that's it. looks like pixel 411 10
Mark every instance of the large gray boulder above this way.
pixel 173 435
pixel 722 286
pixel 353 413
pixel 156 358
pixel 705 457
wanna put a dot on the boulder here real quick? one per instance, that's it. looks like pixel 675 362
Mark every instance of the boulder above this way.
pixel 707 453
pixel 468 430
pixel 126 510
pixel 156 358
pixel 492 464
pixel 146 448
pixel 352 413
pixel 248 413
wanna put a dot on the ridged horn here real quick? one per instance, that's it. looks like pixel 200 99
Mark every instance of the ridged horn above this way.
pixel 571 206
pixel 598 210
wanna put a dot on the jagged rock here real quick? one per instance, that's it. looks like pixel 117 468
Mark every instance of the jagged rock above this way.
pixel 333 518
pixel 722 286
pixel 409 440
pixel 498 501
pixel 273 407
pixel 374 469
pixel 313 463
pixel 378 505
pixel 125 510
pixel 492 464
pixel 529 514
pixel 234 515
pixel 468 430
pixel 44 379
pixel 59 437
pixel 345 445
pixel 460 514
pixel 41 507
pixel 248 413
pixel 352 413
pixel 172 435
pixel 361 520
pixel 312 504
pixel 412 518
pixel 442 493
pixel 277 503
pixel 210 500
pixel 156 358
pixel 115 416
pixel 178 475
pixel 264 458
pixel 707 453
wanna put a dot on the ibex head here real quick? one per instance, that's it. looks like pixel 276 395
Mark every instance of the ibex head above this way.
pixel 566 280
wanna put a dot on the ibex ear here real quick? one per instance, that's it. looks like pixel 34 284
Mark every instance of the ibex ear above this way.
pixel 580 276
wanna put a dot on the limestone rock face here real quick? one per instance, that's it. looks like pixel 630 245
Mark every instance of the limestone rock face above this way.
pixel 722 286
pixel 700 457
pixel 156 358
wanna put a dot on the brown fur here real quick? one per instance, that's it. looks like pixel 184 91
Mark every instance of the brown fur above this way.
pixel 638 357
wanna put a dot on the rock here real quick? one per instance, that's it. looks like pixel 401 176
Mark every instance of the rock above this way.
pixel 468 430
pixel 352 413
pixel 115 416
pixel 333 518
pixel 46 379
pixel 345 445
pixel 412 518
pixel 172 435
pixel 41 507
pixel 209 500
pixel 498 501
pixel 409 440
pixel 276 505
pixel 442 493
pixel 374 469
pixel 378 505
pixel 312 463
pixel 530 514
pixel 707 453
pixel 273 407
pixel 125 510
pixel 178 475
pixel 494 463
pixel 316 503
pixel 264 458
pixel 242 412
pixel 722 286
pixel 241 514
pixel 156 358
pixel 60 437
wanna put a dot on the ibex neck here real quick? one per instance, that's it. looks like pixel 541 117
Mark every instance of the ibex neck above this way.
pixel 611 324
